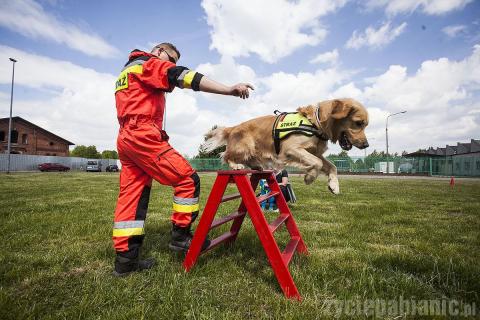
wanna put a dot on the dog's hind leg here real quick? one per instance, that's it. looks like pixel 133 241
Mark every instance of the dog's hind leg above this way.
pixel 255 164
pixel 306 161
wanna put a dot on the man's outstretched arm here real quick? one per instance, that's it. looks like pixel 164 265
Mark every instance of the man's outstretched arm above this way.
pixel 184 78
pixel 237 90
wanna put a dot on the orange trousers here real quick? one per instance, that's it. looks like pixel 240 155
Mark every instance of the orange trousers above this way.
pixel 145 154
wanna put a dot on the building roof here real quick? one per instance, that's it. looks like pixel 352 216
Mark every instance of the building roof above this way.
pixel 460 148
pixel 38 128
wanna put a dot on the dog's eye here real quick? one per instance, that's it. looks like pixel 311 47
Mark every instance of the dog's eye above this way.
pixel 359 123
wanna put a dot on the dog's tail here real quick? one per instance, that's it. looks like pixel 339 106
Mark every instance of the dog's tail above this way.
pixel 216 138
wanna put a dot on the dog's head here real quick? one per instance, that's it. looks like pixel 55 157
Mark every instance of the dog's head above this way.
pixel 343 120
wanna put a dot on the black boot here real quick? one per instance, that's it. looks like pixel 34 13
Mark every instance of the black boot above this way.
pixel 125 264
pixel 182 238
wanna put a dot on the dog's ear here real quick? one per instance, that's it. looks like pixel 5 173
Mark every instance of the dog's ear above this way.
pixel 340 109
pixel 308 112
pixel 330 111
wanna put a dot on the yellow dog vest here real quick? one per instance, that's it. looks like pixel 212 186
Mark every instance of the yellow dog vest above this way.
pixel 290 123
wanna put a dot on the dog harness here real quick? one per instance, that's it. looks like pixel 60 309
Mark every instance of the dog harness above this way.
pixel 288 123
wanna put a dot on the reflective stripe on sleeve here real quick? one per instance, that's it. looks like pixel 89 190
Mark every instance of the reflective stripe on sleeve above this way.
pixel 187 80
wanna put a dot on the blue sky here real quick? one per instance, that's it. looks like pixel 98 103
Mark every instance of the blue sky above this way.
pixel 422 56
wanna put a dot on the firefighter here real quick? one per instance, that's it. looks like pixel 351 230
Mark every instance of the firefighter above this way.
pixel 145 153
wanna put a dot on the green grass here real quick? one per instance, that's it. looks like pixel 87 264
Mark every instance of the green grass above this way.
pixel 380 238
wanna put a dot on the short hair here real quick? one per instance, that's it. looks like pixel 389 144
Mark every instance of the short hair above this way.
pixel 169 46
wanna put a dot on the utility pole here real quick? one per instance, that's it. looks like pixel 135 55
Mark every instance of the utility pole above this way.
pixel 386 136
pixel 9 148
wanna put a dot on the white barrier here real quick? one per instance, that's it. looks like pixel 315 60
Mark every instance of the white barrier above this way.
pixel 25 162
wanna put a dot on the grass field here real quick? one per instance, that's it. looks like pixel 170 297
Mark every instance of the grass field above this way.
pixel 378 239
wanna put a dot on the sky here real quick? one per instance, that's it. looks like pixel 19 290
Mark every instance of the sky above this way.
pixel 419 56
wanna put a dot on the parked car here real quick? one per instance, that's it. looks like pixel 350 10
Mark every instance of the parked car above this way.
pixel 112 168
pixel 52 167
pixel 94 165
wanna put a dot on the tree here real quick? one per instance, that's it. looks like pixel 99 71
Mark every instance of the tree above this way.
pixel 343 154
pixel 85 152
pixel 109 154
pixel 202 153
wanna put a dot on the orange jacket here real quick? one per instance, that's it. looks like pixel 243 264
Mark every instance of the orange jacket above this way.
pixel 140 88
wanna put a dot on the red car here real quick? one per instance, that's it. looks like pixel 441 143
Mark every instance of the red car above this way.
pixel 52 167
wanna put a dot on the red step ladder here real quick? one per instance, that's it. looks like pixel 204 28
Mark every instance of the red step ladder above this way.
pixel 247 181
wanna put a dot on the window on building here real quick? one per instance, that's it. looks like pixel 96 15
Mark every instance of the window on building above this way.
pixel 467 165
pixel 51 143
pixel 14 136
pixel 478 164
pixel 25 138
pixel 2 135
pixel 457 166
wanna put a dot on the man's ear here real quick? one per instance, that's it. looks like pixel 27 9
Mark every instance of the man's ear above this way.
pixel 340 109
pixel 308 112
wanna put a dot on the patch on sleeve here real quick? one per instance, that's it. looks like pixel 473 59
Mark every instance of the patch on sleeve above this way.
pixel 122 80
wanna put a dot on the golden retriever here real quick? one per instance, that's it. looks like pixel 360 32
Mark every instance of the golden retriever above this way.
pixel 251 144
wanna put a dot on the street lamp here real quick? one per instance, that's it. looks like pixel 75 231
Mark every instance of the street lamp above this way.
pixel 386 135
pixel 9 147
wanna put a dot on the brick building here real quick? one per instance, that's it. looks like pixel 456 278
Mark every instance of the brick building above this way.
pixel 28 138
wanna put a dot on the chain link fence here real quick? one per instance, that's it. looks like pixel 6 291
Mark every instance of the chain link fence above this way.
pixel 460 165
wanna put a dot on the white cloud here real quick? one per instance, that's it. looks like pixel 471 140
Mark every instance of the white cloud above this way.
pixel 29 19
pixel 441 98
pixel 78 103
pixel 437 97
pixel 375 38
pixel 271 29
pixel 330 57
pixel 430 7
pixel 74 102
pixel 454 30
pixel 227 71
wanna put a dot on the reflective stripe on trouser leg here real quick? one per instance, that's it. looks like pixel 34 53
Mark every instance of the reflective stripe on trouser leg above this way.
pixel 133 230
pixel 131 209
pixel 185 201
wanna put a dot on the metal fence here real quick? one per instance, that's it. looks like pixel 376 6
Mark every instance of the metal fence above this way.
pixel 23 162
pixel 460 165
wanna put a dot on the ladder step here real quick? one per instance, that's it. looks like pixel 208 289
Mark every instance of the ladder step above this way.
pixel 264 197
pixel 278 222
pixel 290 250
pixel 231 197
pixel 220 221
pixel 218 240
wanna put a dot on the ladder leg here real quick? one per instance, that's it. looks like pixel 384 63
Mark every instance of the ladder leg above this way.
pixel 283 208
pixel 266 238
pixel 206 220
pixel 237 223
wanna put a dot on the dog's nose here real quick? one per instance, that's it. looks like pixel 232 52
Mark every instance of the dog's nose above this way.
pixel 364 145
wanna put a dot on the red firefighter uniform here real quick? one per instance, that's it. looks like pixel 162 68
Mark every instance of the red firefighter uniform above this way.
pixel 144 150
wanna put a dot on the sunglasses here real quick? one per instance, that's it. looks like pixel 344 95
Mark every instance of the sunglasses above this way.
pixel 170 58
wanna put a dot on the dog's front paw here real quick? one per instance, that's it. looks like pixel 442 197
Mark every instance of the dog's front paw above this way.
pixel 308 179
pixel 333 185
pixel 237 166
